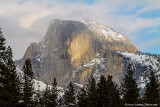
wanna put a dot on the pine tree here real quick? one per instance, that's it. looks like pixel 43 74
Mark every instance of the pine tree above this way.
pixel 92 92
pixel 9 81
pixel 54 94
pixel 113 96
pixel 69 97
pixel 102 92
pixel 38 99
pixel 151 95
pixel 60 102
pixel 28 88
pixel 130 89
pixel 2 47
pixel 47 94
pixel 82 98
pixel 3 70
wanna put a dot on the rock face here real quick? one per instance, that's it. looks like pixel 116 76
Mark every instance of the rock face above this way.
pixel 111 64
pixel 74 50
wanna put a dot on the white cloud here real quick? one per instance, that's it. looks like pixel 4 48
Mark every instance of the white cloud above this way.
pixel 29 19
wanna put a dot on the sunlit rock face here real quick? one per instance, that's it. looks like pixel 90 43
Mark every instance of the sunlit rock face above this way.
pixel 75 50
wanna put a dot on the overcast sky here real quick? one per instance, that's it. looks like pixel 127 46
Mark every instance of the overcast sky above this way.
pixel 26 21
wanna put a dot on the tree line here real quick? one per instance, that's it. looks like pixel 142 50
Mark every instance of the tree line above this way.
pixel 17 91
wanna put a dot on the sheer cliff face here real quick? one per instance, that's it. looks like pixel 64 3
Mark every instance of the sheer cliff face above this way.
pixel 70 45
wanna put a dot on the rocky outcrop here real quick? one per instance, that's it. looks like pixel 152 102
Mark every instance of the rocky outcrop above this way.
pixel 111 64
pixel 69 46
pixel 115 66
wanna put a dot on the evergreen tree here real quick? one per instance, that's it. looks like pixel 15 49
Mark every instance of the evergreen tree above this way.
pixel 47 94
pixel 54 94
pixel 3 70
pixel 2 48
pixel 92 92
pixel 112 96
pixel 102 92
pixel 60 102
pixel 82 98
pixel 28 88
pixel 9 81
pixel 130 89
pixel 38 99
pixel 69 97
pixel 151 95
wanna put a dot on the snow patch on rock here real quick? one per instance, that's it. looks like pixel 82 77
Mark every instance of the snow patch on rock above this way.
pixel 144 60
pixel 39 84
pixel 104 31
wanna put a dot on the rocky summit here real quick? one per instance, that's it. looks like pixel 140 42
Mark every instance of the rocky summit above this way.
pixel 75 50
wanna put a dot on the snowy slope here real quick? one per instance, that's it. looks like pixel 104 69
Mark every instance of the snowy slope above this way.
pixel 95 61
pixel 104 31
pixel 147 62
pixel 39 84
pixel 144 60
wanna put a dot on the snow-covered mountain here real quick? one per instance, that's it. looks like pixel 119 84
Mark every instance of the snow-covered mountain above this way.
pixel 75 50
